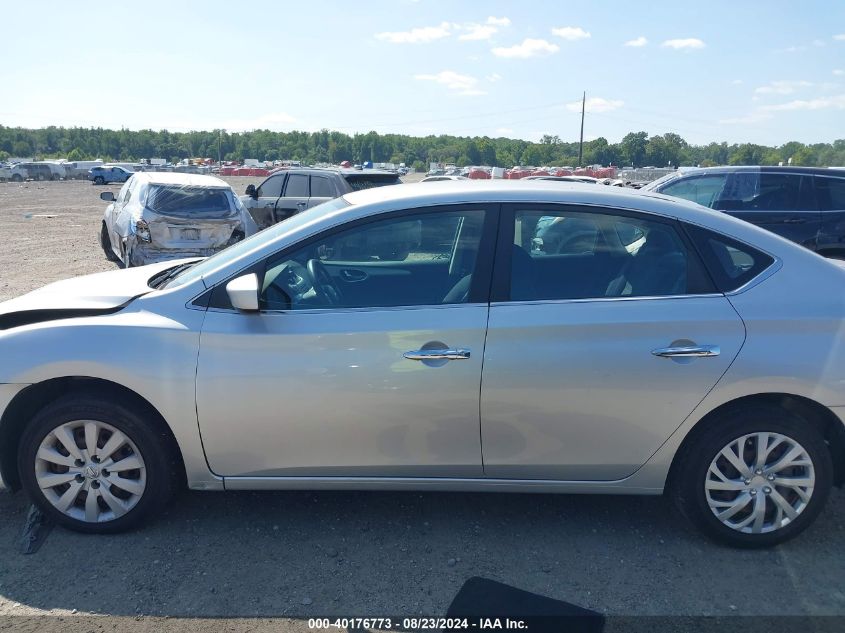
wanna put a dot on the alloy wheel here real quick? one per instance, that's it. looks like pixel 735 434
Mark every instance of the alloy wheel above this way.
pixel 760 482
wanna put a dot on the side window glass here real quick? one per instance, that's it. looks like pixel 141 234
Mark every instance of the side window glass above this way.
pixel 756 191
pixel 412 260
pixel 123 195
pixel 321 187
pixel 704 190
pixel 830 193
pixel 577 255
pixel 272 187
pixel 297 186
pixel 731 263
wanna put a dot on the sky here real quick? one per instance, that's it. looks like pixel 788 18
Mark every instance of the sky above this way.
pixel 764 72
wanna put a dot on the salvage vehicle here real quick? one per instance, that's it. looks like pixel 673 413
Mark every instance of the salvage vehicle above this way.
pixel 291 191
pixel 299 359
pixel 108 174
pixel 159 216
pixel 32 171
pixel 803 204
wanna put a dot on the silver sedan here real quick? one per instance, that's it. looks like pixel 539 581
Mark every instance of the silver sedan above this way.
pixel 490 336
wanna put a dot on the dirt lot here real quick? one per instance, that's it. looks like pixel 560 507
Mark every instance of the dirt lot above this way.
pixel 295 555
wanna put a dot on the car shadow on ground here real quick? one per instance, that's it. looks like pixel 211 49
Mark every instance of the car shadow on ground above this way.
pixel 299 554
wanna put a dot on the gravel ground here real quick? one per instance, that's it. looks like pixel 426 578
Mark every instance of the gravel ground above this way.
pixel 298 555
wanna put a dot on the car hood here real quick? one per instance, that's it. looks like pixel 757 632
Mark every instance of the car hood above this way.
pixel 100 293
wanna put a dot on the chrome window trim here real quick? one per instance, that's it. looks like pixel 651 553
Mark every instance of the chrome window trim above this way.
pixel 440 306
pixel 605 299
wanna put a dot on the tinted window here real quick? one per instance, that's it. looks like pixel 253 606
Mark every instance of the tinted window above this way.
pixel 731 264
pixel 272 187
pixel 367 181
pixel 321 187
pixel 297 186
pixel 704 190
pixel 576 255
pixel 423 259
pixel 830 193
pixel 762 191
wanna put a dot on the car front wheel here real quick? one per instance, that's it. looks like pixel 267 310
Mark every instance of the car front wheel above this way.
pixel 756 477
pixel 95 466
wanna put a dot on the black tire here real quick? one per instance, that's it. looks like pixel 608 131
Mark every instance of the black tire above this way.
pixel 688 485
pixel 41 178
pixel 99 180
pixel 17 178
pixel 105 243
pixel 154 446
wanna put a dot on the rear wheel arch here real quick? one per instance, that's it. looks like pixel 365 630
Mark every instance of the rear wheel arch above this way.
pixel 814 414
pixel 26 404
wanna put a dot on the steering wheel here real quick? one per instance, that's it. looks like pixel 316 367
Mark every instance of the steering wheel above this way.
pixel 323 284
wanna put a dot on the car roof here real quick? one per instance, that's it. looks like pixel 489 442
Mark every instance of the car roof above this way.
pixel 791 169
pixel 343 171
pixel 180 179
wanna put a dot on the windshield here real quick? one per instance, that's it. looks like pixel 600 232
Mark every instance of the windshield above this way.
pixel 181 200
pixel 235 251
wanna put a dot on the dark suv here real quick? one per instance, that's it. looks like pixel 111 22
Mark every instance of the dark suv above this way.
pixel 286 193
pixel 803 204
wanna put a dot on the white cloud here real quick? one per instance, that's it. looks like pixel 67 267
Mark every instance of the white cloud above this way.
pixel 823 103
pixel 754 117
pixel 595 104
pixel 571 33
pixel 839 71
pixel 493 78
pixel 529 48
pixel 504 131
pixel 688 43
pixel 418 35
pixel 638 42
pixel 462 84
pixel 840 37
pixel 478 32
pixel 498 21
pixel 782 87
pixel 737 82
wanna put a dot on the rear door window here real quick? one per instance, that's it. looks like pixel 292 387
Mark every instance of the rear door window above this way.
pixel 762 191
pixel 321 187
pixel 297 186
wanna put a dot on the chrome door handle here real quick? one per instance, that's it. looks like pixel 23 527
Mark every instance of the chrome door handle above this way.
pixel 698 351
pixel 437 354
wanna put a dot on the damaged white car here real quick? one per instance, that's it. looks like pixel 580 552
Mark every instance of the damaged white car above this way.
pixel 162 216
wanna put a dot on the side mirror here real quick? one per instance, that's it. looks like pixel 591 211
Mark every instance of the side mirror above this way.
pixel 243 292
pixel 107 196
pixel 251 191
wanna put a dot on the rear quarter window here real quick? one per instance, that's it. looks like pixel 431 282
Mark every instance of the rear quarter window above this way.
pixel 731 263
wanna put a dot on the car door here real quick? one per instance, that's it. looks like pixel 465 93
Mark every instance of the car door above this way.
pixel 262 207
pixel 595 355
pixel 294 197
pixel 117 220
pixel 319 383
pixel 779 202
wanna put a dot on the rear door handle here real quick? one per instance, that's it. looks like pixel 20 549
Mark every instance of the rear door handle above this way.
pixel 696 351
pixel 438 354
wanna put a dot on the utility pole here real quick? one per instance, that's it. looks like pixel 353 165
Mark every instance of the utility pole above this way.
pixel 219 138
pixel 581 144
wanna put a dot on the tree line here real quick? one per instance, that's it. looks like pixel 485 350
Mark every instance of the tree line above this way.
pixel 636 148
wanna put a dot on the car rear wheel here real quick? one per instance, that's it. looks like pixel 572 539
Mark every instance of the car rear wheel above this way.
pixel 105 243
pixel 95 466
pixel 756 477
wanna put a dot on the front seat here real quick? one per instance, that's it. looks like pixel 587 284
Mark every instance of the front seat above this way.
pixel 658 269
pixel 522 280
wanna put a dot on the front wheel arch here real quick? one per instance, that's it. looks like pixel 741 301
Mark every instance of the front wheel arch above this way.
pixel 32 399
